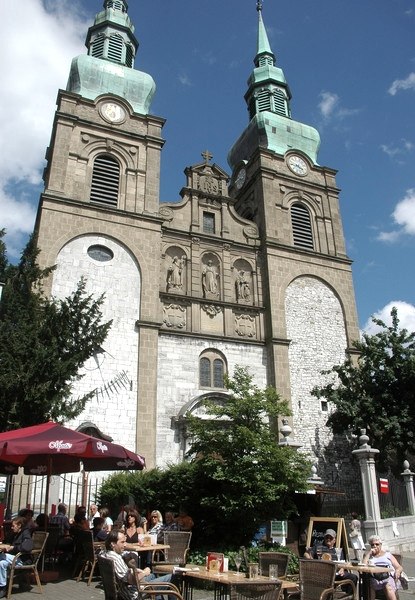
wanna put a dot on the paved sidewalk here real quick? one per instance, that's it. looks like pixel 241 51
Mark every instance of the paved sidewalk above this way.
pixel 62 586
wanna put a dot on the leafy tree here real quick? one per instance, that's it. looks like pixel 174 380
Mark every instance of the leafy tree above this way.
pixel 378 392
pixel 43 343
pixel 245 477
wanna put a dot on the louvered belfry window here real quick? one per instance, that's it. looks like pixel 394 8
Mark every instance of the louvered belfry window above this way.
pixel 115 48
pixel 98 46
pixel 301 226
pixel 280 104
pixel 105 181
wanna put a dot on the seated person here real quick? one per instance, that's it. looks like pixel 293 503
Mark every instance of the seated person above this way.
pixel 27 513
pixel 329 547
pixel 115 546
pixel 65 542
pixel 169 525
pixel 99 534
pixel 156 522
pixel 380 557
pixel 184 520
pixel 20 542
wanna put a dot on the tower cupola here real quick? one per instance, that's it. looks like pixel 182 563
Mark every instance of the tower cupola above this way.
pixel 108 68
pixel 268 99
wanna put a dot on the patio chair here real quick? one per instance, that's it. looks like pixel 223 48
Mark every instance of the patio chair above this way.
pixel 109 581
pixel 50 553
pixel 113 590
pixel 255 591
pixel 317 582
pixel 176 554
pixel 39 541
pixel 89 555
pixel 274 558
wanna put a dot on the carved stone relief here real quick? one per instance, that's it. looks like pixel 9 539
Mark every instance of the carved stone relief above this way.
pixel 243 281
pixel 245 326
pixel 174 270
pixel 210 278
pixel 175 274
pixel 174 316
pixel 211 309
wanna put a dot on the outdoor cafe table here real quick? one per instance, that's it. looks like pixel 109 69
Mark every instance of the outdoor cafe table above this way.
pixel 222 582
pixel 364 572
pixel 151 548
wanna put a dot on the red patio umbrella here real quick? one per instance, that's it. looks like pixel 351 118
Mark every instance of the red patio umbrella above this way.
pixel 50 449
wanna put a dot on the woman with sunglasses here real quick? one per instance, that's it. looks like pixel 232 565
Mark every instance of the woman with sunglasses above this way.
pixel 379 557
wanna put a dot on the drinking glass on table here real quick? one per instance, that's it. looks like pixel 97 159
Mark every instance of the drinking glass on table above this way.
pixel 319 551
pixel 338 553
pixel 238 561
pixel 273 572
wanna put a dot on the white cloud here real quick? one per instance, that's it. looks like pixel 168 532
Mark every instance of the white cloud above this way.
pixel 404 216
pixel 397 151
pixel 402 84
pixel 184 79
pixel 404 213
pixel 34 63
pixel 328 104
pixel 406 316
pixel 330 107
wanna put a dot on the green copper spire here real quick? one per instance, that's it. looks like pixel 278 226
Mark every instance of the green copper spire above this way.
pixel 268 99
pixel 108 68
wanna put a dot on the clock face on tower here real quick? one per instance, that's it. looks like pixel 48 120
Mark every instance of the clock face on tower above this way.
pixel 297 165
pixel 240 178
pixel 113 112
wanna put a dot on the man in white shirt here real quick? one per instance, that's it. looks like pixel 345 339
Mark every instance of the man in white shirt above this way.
pixel 115 545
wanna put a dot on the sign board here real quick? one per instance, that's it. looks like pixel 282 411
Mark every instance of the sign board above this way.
pixel 384 485
pixel 318 525
pixel 278 529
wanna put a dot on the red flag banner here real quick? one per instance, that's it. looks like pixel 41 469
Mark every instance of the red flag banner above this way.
pixel 384 485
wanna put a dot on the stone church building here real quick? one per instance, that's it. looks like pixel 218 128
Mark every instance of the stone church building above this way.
pixel 249 268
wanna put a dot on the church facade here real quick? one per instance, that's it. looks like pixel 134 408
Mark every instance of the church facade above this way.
pixel 249 268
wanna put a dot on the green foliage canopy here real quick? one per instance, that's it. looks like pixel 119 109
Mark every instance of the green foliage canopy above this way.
pixel 245 476
pixel 236 478
pixel 43 343
pixel 378 392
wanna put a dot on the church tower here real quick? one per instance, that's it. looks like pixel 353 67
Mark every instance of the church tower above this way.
pixel 98 219
pixel 247 270
pixel 308 290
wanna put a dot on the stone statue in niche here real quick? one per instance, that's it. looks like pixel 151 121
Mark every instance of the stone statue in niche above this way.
pixel 243 286
pixel 175 274
pixel 210 279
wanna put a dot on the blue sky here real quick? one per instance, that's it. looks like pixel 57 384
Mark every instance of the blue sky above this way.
pixel 351 69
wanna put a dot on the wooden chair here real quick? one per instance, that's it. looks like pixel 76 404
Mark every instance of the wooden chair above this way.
pixel 317 582
pixel 39 541
pixel 274 558
pixel 88 555
pixel 50 552
pixel 179 542
pixel 255 591
pixel 114 591
pixel 109 581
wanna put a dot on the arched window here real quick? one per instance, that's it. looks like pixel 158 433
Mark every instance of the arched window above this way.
pixel 301 226
pixel 212 369
pixel 105 181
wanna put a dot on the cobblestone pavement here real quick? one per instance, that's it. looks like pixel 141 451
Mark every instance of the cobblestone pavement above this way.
pixel 62 586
